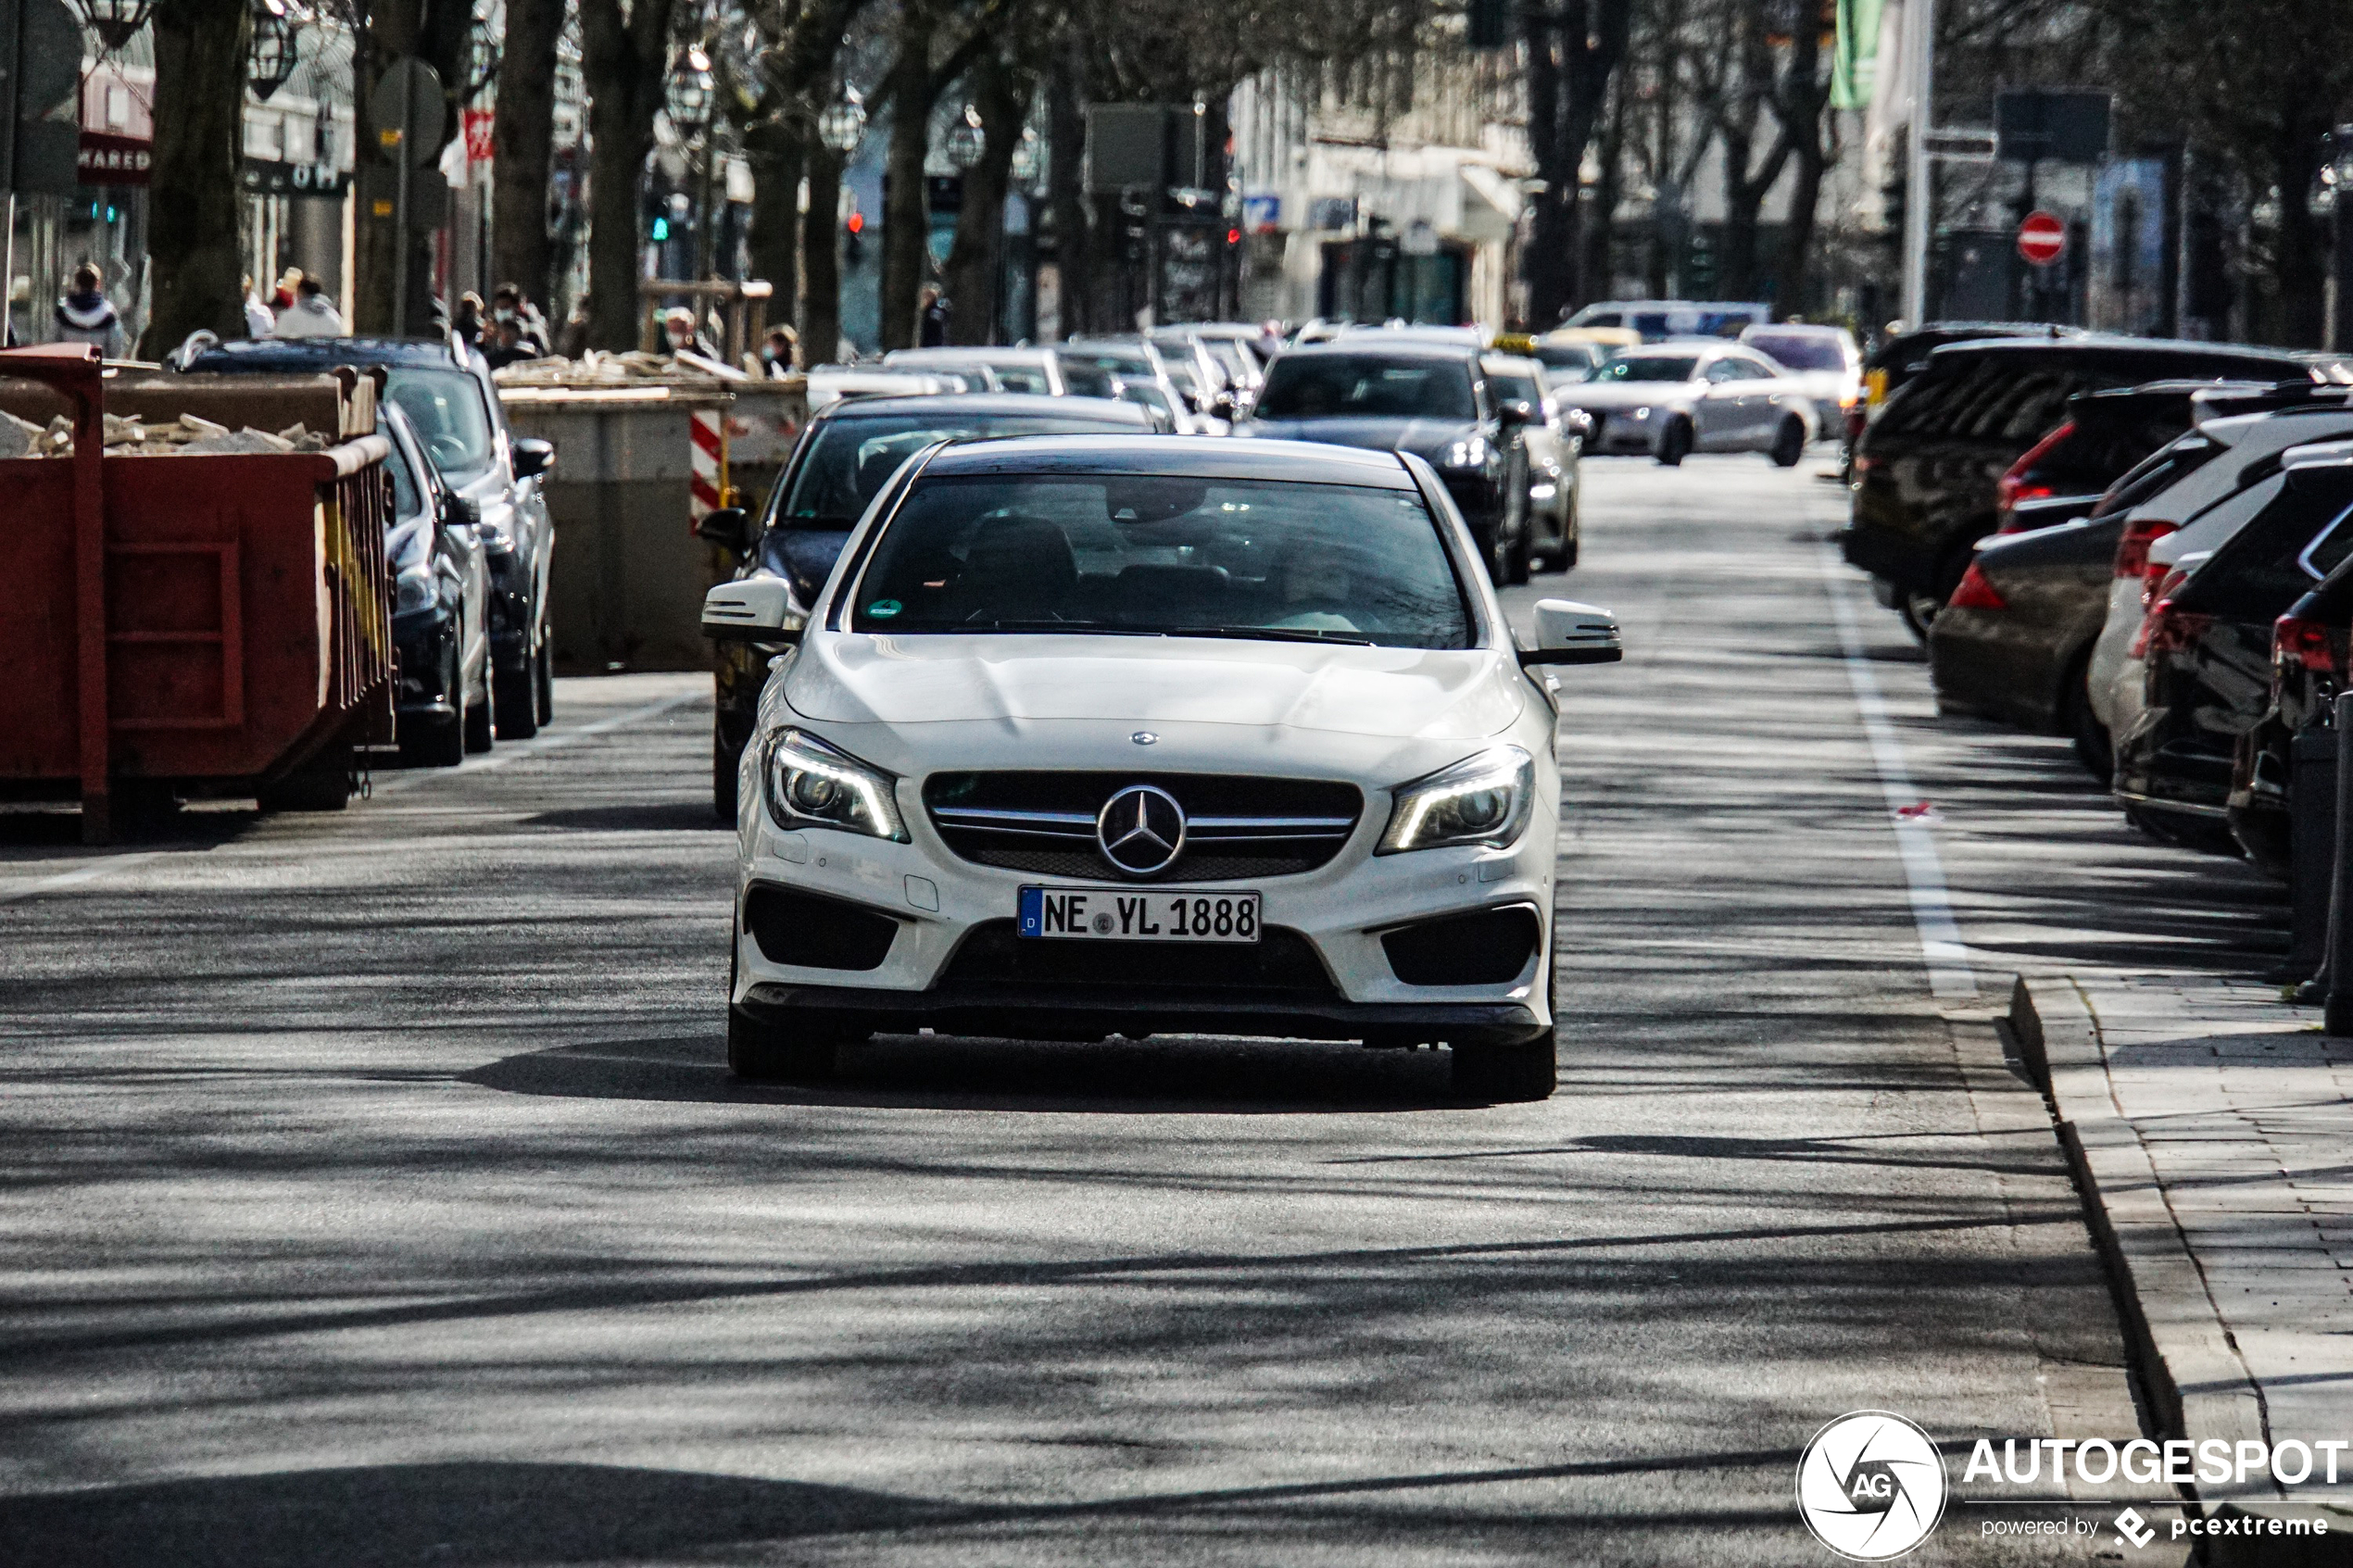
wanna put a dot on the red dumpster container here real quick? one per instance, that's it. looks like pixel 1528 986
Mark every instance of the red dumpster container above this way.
pixel 213 624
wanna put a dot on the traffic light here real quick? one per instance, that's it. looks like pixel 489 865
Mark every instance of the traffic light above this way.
pixel 661 229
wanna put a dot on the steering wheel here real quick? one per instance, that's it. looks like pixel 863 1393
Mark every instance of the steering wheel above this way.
pixel 447 451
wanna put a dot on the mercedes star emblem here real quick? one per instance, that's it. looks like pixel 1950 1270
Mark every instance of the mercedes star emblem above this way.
pixel 1145 737
pixel 1141 830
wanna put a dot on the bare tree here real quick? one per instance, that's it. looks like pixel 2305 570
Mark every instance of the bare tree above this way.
pixel 525 134
pixel 625 59
pixel 1000 91
pixel 1574 48
pixel 200 92
pixel 938 40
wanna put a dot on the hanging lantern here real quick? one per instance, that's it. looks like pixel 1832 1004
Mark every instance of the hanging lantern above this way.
pixel 687 99
pixel 116 20
pixel 842 124
pixel 966 141
pixel 271 61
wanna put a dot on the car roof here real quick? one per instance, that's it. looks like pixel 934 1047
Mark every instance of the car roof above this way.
pixel 1395 346
pixel 1792 329
pixel 1181 456
pixel 976 355
pixel 2117 346
pixel 318 353
pixel 1028 403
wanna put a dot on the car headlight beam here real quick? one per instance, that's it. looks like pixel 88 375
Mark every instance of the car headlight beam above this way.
pixel 1480 800
pixel 812 784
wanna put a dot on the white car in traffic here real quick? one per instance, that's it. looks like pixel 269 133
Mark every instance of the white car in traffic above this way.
pixel 1673 398
pixel 1095 735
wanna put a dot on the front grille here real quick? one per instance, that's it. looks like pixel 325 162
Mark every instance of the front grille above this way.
pixel 1280 966
pixel 1235 829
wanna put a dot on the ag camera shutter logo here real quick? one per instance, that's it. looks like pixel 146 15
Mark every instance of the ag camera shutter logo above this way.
pixel 1870 1486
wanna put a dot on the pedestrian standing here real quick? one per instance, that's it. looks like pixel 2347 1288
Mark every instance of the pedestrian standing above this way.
pixel 775 355
pixel 933 333
pixel 312 314
pixel 509 345
pixel 86 314
pixel 466 321
pixel 283 296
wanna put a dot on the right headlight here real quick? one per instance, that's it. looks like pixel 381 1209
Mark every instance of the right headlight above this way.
pixel 1480 800
pixel 812 784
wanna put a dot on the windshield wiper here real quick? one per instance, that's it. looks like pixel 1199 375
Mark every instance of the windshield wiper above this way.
pixel 1263 633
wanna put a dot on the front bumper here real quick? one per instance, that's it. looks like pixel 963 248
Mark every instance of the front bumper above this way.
pixel 1341 912
pixel 1617 430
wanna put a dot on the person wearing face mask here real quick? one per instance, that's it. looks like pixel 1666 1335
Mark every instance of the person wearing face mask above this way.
pixel 507 304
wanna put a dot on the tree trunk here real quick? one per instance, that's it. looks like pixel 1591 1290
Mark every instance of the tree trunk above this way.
pixel 625 62
pixel 1804 95
pixel 1066 190
pixel 976 263
pixel 200 92
pixel 1744 197
pixel 906 220
pixel 2303 245
pixel 1596 269
pixel 821 260
pixel 525 136
pixel 1572 53
pixel 777 153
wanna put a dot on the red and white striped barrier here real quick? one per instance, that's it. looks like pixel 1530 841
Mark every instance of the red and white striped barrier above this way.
pixel 709 463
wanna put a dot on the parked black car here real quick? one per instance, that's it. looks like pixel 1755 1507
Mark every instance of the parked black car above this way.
pixel 1432 399
pixel 2309 648
pixel 841 461
pixel 2014 641
pixel 445 391
pixel 1929 472
pixel 2208 644
pixel 441 608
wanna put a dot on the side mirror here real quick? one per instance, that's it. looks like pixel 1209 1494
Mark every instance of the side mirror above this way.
pixel 1225 407
pixel 534 456
pixel 1515 411
pixel 460 511
pixel 728 526
pixel 1569 632
pixel 756 609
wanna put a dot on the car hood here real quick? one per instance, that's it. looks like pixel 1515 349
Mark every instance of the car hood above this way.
pixel 1021 685
pixel 1424 437
pixel 1625 394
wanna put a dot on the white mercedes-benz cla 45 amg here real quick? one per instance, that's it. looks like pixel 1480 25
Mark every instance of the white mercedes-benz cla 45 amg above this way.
pixel 1096 736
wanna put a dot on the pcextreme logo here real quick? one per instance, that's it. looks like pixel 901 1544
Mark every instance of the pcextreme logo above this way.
pixel 1870 1486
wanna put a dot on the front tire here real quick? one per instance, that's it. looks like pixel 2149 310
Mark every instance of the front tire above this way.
pixel 1675 444
pixel 481 729
pixel 544 679
pixel 1788 443
pixel 1506 1074
pixel 515 699
pixel 724 766
pixel 1516 558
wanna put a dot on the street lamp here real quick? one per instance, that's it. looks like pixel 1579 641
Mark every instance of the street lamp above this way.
pixel 687 99
pixel 967 141
pixel 270 60
pixel 842 123
pixel 116 20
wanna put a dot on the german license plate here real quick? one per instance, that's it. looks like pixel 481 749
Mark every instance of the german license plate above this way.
pixel 1129 914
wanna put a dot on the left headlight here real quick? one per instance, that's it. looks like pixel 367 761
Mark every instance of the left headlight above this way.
pixel 812 784
pixel 1480 800
pixel 413 590
pixel 1470 454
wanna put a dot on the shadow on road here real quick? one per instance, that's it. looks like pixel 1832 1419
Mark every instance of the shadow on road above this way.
pixel 1190 1075
pixel 636 817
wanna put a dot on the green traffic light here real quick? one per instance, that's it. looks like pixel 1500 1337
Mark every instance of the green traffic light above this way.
pixel 661 229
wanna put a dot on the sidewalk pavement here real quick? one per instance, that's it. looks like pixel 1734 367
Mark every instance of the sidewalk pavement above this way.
pixel 2211 1128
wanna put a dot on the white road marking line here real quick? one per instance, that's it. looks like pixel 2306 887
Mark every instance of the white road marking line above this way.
pixel 76 877
pixel 537 746
pixel 1942 949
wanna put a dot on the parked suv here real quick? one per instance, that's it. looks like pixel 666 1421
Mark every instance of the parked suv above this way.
pixel 440 610
pixel 445 391
pixel 1927 473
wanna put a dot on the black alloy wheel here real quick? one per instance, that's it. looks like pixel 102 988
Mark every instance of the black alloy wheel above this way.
pixel 1789 442
pixel 481 729
pixel 515 699
pixel 1675 441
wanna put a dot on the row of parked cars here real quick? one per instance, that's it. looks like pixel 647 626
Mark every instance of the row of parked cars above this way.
pixel 2137 544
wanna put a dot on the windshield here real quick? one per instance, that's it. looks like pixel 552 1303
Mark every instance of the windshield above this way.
pixel 849 460
pixel 1021 377
pixel 1366 386
pixel 1800 351
pixel 1515 388
pixel 1647 367
pixel 1087 381
pixel 405 501
pixel 445 408
pixel 1150 555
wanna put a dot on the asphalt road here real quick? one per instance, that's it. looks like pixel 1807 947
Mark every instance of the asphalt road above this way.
pixel 374 1193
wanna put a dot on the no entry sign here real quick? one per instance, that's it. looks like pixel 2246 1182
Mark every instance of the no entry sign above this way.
pixel 2041 239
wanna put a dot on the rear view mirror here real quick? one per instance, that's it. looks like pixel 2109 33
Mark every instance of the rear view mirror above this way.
pixel 1569 632
pixel 757 610
pixel 726 526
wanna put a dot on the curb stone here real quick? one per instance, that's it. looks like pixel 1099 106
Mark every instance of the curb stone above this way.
pixel 2189 1365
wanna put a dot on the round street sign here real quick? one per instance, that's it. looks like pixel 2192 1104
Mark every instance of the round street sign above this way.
pixel 2041 239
